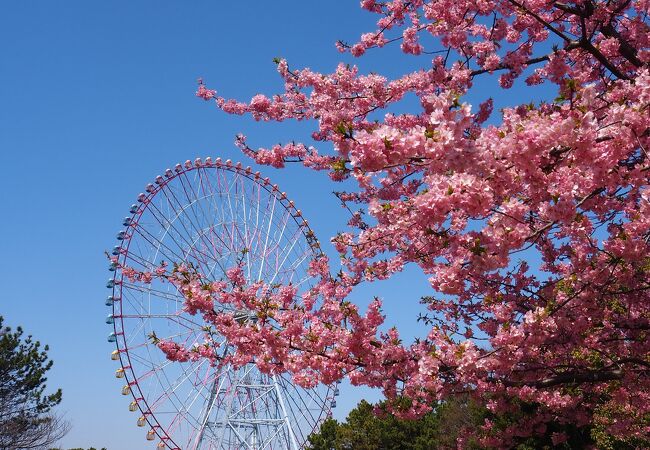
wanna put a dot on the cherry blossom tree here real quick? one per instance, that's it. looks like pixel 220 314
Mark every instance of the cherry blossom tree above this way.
pixel 468 198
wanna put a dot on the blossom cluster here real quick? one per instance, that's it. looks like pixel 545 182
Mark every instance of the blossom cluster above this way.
pixel 566 180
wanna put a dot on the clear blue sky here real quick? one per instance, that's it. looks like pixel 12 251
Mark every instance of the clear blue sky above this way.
pixel 96 99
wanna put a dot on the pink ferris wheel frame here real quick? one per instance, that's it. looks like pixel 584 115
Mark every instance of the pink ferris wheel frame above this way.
pixel 177 220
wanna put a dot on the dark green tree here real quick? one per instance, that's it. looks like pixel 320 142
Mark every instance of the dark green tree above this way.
pixel 372 428
pixel 325 439
pixel 26 421
pixel 367 429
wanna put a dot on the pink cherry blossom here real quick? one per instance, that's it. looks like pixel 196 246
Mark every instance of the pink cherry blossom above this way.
pixel 469 201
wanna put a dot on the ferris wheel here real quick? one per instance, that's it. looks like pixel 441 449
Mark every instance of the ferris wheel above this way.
pixel 210 215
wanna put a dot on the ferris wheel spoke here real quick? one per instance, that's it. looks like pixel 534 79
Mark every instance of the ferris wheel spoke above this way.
pixel 134 334
pixel 180 320
pixel 229 202
pixel 179 418
pixel 189 187
pixel 147 345
pixel 312 420
pixel 298 408
pixel 159 367
pixel 239 215
pixel 266 242
pixel 279 250
pixel 136 305
pixel 141 326
pixel 287 253
pixel 175 337
pixel 201 384
pixel 145 289
pixel 257 218
pixel 288 277
pixel 307 392
pixel 154 367
pixel 179 211
pixel 262 225
pixel 235 215
pixel 189 247
pixel 212 194
pixel 219 208
pixel 168 225
pixel 248 237
pixel 319 403
pixel 284 221
pixel 142 293
pixel 172 387
pixel 194 202
pixel 157 244
pixel 188 404
pixel 135 260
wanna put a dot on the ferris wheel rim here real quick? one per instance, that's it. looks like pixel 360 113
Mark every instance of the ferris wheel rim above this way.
pixel 137 211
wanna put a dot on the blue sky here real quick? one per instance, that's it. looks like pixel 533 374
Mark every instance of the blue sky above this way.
pixel 97 98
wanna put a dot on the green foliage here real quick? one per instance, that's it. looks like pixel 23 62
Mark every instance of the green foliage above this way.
pixel 592 435
pixel 325 439
pixel 365 430
pixel 24 405
pixel 608 415
pixel 372 428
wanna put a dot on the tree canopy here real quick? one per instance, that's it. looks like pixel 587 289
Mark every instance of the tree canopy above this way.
pixel 368 429
pixel 449 423
pixel 25 418
pixel 533 229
